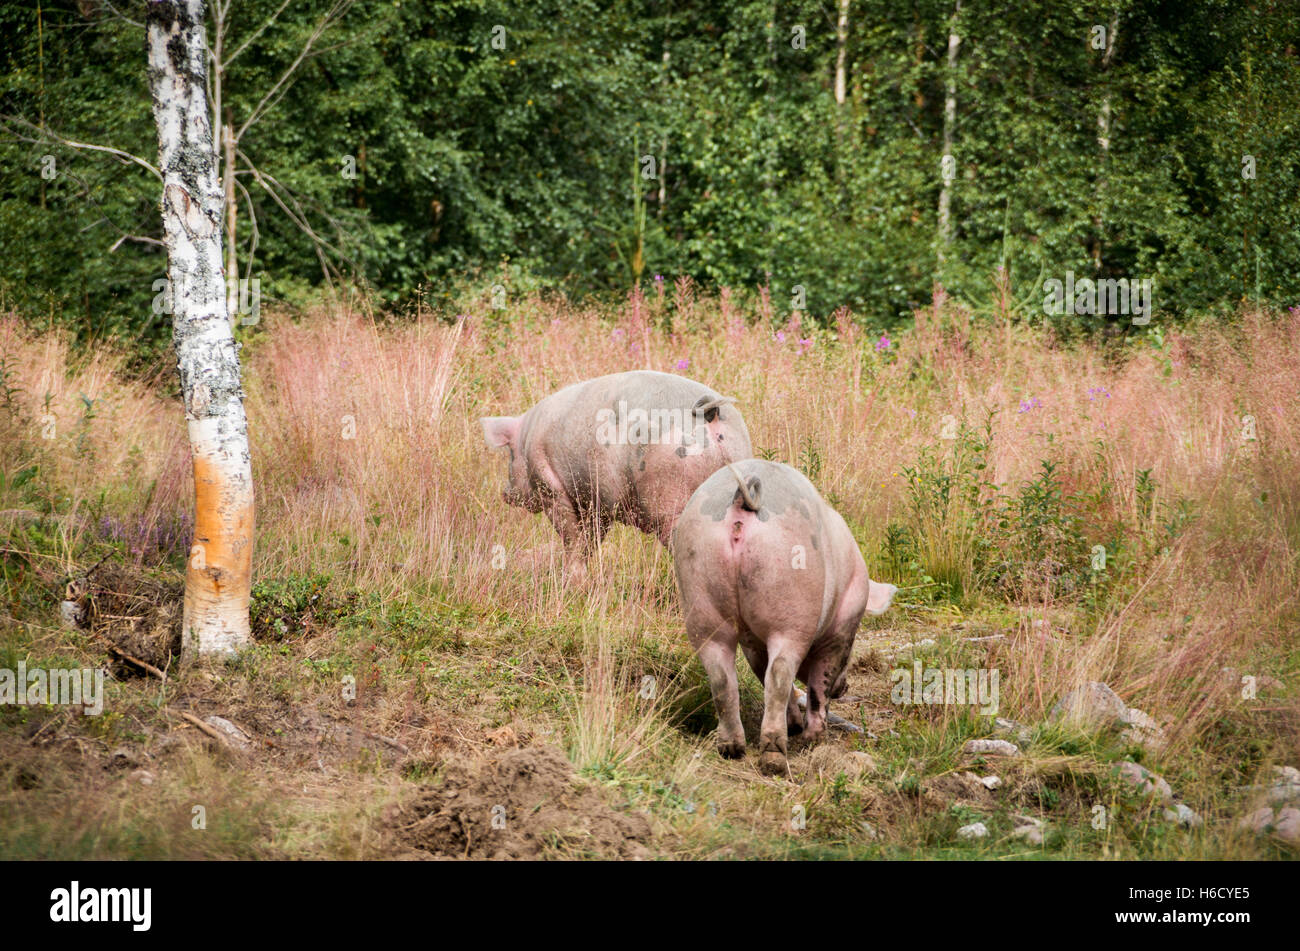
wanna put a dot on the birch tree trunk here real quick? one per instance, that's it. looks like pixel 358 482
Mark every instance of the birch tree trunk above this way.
pixel 219 573
pixel 1103 142
pixel 841 47
pixel 948 167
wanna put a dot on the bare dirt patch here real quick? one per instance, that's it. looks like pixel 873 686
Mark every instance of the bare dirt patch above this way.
pixel 519 804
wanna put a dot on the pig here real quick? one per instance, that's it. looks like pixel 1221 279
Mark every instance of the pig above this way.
pixel 762 561
pixel 628 447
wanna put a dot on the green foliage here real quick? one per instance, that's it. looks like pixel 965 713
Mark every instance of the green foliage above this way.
pixel 471 157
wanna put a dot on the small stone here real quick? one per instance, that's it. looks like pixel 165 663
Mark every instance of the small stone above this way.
pixel 976 830
pixel 1142 721
pixel 1287 826
pixel 995 747
pixel 1095 705
pixel 233 734
pixel 1287 775
pixel 869 831
pixel 1153 740
pixel 70 613
pixel 1004 727
pixel 1145 781
pixel 1030 829
pixel 1184 816
pixel 143 777
pixel 1258 821
pixel 991 782
pixel 859 763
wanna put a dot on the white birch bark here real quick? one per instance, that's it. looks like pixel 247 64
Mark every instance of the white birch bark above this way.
pixel 1103 141
pixel 841 45
pixel 219 573
pixel 948 168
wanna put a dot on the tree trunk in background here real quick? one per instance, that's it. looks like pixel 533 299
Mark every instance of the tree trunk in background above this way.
pixel 219 572
pixel 948 166
pixel 841 45
pixel 1103 140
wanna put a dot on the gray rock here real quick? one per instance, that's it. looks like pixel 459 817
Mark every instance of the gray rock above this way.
pixel 70 613
pixel 1259 821
pixel 1021 733
pixel 991 782
pixel 1029 829
pixel 976 830
pixel 1287 775
pixel 1283 824
pixel 1184 816
pixel 1287 825
pixel 1144 781
pixel 233 734
pixel 1095 705
pixel 994 747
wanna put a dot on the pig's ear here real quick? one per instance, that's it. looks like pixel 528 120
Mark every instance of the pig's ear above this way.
pixel 500 431
pixel 879 597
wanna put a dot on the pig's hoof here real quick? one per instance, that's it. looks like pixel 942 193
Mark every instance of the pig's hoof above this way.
pixel 731 749
pixel 773 763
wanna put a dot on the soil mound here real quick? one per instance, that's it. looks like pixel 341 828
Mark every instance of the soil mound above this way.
pixel 519 804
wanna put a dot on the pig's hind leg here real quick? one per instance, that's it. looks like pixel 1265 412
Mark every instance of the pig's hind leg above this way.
pixel 778 690
pixel 756 654
pixel 715 641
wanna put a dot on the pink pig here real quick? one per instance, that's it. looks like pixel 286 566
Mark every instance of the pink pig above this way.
pixel 628 447
pixel 768 565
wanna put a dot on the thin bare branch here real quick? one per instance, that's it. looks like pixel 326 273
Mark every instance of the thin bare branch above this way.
pixel 255 34
pixel 48 135
pixel 274 94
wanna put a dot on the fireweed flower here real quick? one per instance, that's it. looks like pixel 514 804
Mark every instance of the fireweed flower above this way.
pixel 1030 404
pixel 683 363
pixel 805 345
pixel 780 336
pixel 883 344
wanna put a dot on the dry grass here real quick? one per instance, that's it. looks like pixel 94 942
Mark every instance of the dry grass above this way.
pixel 370 466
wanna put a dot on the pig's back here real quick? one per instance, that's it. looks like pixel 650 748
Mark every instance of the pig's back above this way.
pixel 562 431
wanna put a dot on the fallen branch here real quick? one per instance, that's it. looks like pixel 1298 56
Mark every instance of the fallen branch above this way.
pixel 205 728
pixel 142 664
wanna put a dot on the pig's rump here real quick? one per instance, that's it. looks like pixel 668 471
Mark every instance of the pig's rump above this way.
pixel 767 573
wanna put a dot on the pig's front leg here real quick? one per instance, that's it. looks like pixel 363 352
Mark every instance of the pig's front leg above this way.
pixel 715 643
pixel 824 669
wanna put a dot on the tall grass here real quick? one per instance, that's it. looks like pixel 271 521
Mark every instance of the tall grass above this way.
pixel 370 466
